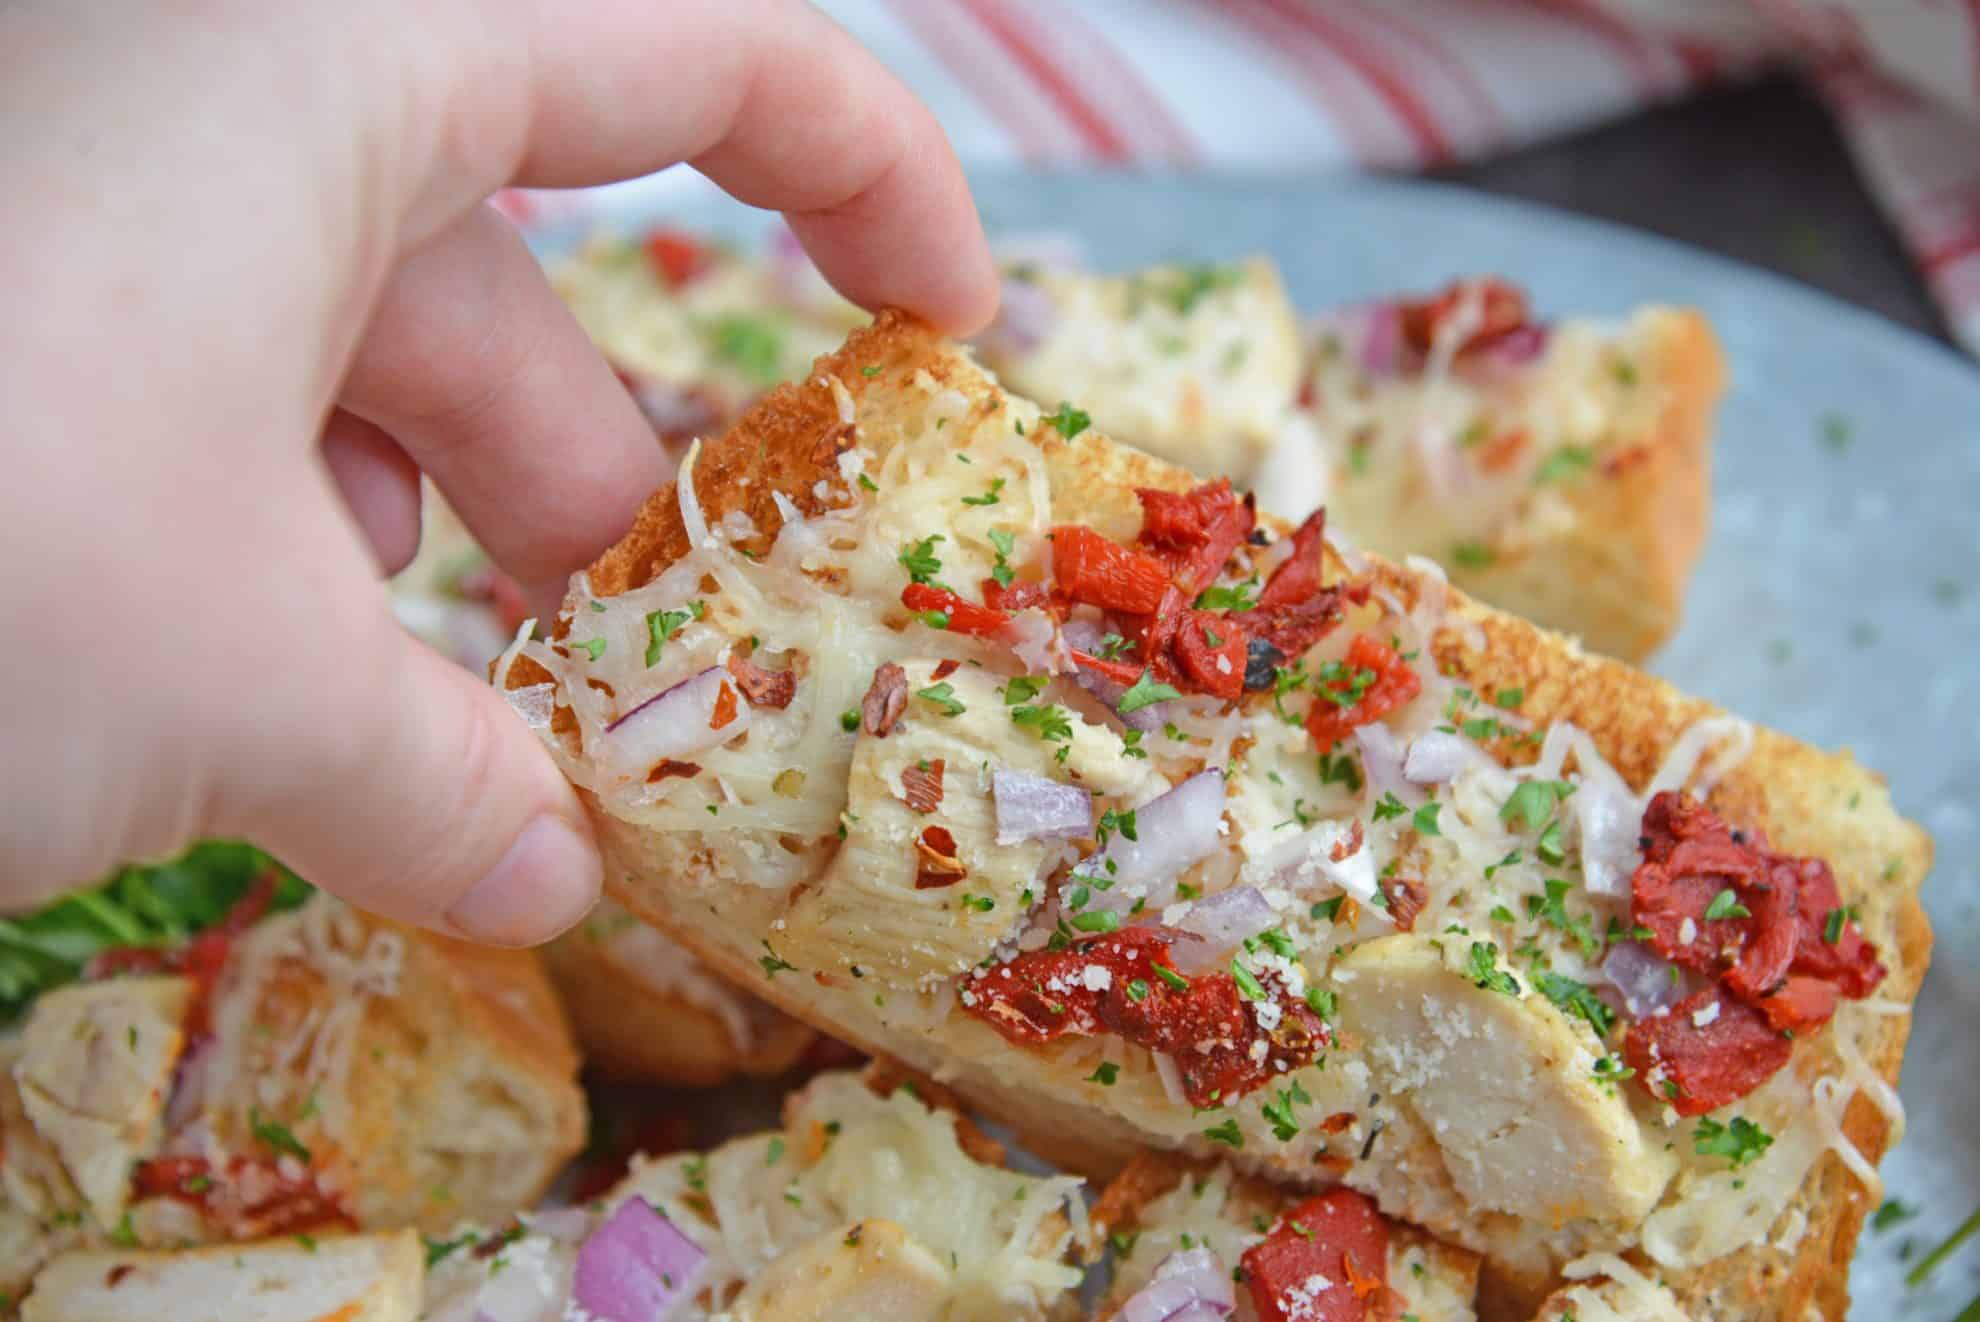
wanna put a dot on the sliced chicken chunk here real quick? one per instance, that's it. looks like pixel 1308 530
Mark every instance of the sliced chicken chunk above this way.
pixel 921 889
pixel 873 1269
pixel 1502 1080
pixel 354 1278
pixel 95 1065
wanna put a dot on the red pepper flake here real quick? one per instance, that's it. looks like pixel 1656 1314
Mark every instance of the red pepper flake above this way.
pixel 115 1276
pixel 960 615
pixel 676 257
pixel 1496 308
pixel 938 864
pixel 1393 684
pixel 944 669
pixel 725 707
pixel 762 688
pixel 1709 1050
pixel 1500 453
pixel 922 785
pixel 1204 1022
pixel 1337 1123
pixel 1406 899
pixel 886 698
pixel 669 768
pixel 1349 844
pixel 1339 1237
pixel 1101 572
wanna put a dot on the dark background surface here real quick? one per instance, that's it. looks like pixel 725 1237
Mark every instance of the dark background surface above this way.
pixel 1757 172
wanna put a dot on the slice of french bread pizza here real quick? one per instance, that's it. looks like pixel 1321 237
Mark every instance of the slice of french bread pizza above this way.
pixel 981 741
pixel 1187 1234
pixel 1197 364
pixel 875 1200
pixel 338 1278
pixel 1557 469
pixel 303 1071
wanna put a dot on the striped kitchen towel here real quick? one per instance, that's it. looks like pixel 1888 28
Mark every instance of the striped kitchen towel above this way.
pixel 1410 84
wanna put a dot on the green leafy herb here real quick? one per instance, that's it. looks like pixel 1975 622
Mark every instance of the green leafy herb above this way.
pixel 1097 920
pixel 1137 991
pixel 1227 1133
pixel 1023 688
pixel 1533 802
pixel 1144 692
pixel 1327 910
pixel 1192 283
pixel 1483 965
pixel 1068 421
pixel 1741 1142
pixel 1472 555
pixel 1726 905
pixel 1002 571
pixel 751 344
pixel 868 483
pixel 1570 461
pixel 1236 597
pixel 1105 1074
pixel 1321 1002
pixel 276 1136
pixel 1174 980
pixel 1577 998
pixel 1389 806
pixel 989 497
pixel 663 625
pixel 1832 926
pixel 1047 722
pixel 980 903
pixel 592 647
pixel 1425 819
pixel 919 559
pixel 437 1250
pixel 870 370
pixel 1893 1211
pixel 1509 699
pixel 1247 982
pixel 772 964
pixel 943 697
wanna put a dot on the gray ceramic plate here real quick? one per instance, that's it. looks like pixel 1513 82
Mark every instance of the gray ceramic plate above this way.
pixel 1839 595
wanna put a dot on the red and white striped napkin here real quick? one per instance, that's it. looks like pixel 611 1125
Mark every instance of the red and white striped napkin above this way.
pixel 1408 84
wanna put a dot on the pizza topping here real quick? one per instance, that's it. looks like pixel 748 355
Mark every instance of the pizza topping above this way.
pixel 1325 1261
pixel 1372 681
pixel 676 257
pixel 698 713
pixel 247 1197
pixel 1720 902
pixel 921 785
pixel 1406 898
pixel 1212 1028
pixel 1195 532
pixel 762 688
pixel 885 700
pixel 1482 311
pixel 1092 569
pixel 937 864
pixel 1039 808
pixel 940 608
pixel 1708 1051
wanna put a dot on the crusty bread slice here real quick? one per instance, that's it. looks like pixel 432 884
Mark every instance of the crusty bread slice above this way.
pixel 725 895
pixel 1162 1203
pixel 644 1009
pixel 339 1278
pixel 343 1070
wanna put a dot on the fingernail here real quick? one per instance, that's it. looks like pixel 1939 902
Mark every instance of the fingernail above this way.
pixel 546 881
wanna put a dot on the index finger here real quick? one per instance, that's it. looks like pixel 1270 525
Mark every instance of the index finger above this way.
pixel 771 100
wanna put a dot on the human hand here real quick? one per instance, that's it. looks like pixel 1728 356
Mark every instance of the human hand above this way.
pixel 253 289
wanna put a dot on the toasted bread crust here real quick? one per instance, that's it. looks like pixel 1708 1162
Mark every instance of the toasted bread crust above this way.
pixel 1616 572
pixel 1795 793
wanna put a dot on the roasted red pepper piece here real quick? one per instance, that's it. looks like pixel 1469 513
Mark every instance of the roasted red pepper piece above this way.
pixel 1690 856
pixel 1292 629
pixel 963 616
pixel 1017 596
pixel 1501 308
pixel 1119 672
pixel 1340 1238
pixel 1103 573
pixel 1195 532
pixel 1210 651
pixel 1850 961
pixel 676 257
pixel 1206 1026
pixel 284 1205
pixel 1298 578
pixel 1392 685
pixel 1802 1005
pixel 1699 1067
pixel 1772 934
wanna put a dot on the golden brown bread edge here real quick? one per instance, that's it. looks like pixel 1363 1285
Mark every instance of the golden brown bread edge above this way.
pixel 1616 574
pixel 1808 801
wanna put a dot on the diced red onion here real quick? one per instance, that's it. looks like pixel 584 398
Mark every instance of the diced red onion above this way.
pixel 1039 808
pixel 1173 832
pixel 637 1267
pixel 1382 765
pixel 1034 638
pixel 673 724
pixel 1223 920
pixel 1516 348
pixel 1610 820
pixel 1437 757
pixel 1643 977
pixel 1188 1284
pixel 189 1084
pixel 1025 317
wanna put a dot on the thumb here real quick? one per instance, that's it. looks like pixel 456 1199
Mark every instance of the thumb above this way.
pixel 413 791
